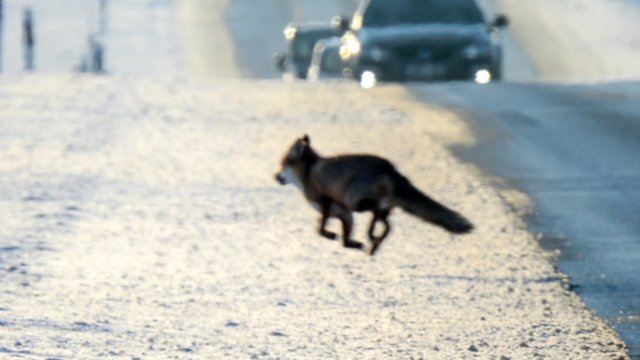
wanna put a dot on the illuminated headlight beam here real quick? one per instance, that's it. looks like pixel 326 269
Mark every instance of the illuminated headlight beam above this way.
pixel 368 79
pixel 482 76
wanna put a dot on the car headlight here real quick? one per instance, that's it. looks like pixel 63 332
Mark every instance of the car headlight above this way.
pixel 290 32
pixel 350 46
pixel 482 76
pixel 475 51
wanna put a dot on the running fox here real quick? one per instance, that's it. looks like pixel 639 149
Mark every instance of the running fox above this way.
pixel 337 186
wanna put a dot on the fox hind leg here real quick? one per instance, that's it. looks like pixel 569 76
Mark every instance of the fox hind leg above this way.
pixel 378 215
pixel 381 216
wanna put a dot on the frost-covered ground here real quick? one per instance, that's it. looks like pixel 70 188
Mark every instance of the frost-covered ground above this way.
pixel 141 220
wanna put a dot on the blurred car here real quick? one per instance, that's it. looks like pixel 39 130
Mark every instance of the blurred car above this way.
pixel 325 60
pixel 301 40
pixel 400 40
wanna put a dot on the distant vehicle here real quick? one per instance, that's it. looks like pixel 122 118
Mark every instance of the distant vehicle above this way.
pixel 401 40
pixel 301 39
pixel 325 60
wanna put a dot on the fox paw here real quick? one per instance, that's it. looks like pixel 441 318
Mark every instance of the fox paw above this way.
pixel 352 244
pixel 328 234
pixel 373 249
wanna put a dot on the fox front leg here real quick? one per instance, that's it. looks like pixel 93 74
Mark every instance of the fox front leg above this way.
pixel 325 210
pixel 347 226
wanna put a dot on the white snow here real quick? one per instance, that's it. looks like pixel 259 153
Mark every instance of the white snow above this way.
pixel 141 219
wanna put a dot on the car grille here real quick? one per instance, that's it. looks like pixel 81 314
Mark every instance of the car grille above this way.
pixel 424 53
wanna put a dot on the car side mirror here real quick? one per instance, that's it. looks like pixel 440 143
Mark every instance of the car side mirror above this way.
pixel 341 22
pixel 500 21
pixel 280 61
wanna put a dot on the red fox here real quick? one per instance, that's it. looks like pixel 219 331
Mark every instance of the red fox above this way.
pixel 338 186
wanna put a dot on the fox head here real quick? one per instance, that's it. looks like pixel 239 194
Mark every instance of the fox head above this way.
pixel 295 163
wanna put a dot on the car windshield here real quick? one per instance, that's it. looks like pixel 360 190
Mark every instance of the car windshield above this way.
pixel 302 48
pixel 302 45
pixel 331 60
pixel 395 12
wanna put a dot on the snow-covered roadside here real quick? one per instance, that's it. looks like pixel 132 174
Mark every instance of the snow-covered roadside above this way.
pixel 139 36
pixel 141 220
pixel 61 30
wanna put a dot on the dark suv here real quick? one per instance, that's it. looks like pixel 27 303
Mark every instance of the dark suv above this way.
pixel 400 40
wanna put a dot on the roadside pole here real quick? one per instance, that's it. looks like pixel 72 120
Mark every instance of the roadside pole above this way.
pixel 1 28
pixel 96 45
pixel 102 27
pixel 28 39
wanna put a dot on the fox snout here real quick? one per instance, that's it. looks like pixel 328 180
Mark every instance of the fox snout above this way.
pixel 288 176
pixel 281 179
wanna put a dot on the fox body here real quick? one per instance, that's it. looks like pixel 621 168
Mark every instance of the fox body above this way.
pixel 338 186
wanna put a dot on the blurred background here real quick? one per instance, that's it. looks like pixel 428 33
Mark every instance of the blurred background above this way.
pixel 573 40
pixel 156 37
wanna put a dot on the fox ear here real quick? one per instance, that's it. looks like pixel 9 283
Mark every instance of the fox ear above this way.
pixel 306 139
pixel 297 150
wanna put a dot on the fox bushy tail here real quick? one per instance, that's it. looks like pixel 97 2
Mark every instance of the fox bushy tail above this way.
pixel 417 203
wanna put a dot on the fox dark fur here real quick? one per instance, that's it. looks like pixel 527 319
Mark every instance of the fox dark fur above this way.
pixel 340 185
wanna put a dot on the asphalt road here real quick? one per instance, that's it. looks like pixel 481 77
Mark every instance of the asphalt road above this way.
pixel 574 151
